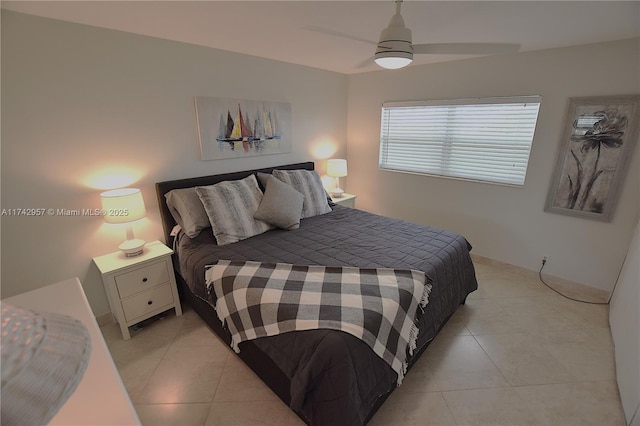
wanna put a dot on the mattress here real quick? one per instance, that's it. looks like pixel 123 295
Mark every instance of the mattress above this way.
pixel 335 378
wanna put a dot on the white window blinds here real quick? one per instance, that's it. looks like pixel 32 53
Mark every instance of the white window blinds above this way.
pixel 485 139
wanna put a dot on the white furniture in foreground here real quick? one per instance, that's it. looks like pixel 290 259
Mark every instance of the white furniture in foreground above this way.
pixel 624 318
pixel 347 200
pixel 100 398
pixel 139 287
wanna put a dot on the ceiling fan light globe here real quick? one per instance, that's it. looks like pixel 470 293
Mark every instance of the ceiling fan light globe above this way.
pixel 393 62
pixel 393 55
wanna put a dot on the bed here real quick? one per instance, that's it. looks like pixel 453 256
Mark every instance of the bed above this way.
pixel 327 377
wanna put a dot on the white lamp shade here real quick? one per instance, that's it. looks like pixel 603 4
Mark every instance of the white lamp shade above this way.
pixel 123 205
pixel 337 167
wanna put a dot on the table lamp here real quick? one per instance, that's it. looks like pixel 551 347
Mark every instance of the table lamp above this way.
pixel 337 168
pixel 125 205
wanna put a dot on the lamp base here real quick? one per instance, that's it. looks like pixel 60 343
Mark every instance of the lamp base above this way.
pixel 337 193
pixel 132 248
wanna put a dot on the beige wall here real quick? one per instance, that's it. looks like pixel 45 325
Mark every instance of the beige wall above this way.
pixel 503 223
pixel 79 103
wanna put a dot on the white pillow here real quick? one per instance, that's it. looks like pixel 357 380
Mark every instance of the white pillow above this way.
pixel 281 205
pixel 308 183
pixel 230 206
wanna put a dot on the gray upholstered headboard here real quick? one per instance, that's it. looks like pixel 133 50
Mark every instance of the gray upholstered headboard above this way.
pixel 163 187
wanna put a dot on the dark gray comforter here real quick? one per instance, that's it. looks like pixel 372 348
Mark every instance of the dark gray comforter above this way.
pixel 336 379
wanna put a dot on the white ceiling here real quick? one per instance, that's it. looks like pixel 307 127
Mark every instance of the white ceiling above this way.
pixel 307 32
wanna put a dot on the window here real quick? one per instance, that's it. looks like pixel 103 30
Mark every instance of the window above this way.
pixel 486 139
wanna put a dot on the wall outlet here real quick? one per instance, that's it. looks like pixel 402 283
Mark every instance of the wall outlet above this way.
pixel 545 259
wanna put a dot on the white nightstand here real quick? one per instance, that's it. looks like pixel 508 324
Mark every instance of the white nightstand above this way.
pixel 139 287
pixel 347 200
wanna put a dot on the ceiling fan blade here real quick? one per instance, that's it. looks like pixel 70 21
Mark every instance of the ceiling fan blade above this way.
pixel 466 48
pixel 365 63
pixel 337 34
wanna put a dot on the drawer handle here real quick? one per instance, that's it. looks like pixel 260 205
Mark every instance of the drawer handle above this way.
pixel 150 302
pixel 144 280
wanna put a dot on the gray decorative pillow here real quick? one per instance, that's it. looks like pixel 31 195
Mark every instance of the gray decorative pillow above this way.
pixel 187 209
pixel 281 205
pixel 230 206
pixel 262 180
pixel 308 183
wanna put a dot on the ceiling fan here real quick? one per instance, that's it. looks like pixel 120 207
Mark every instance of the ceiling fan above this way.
pixel 395 48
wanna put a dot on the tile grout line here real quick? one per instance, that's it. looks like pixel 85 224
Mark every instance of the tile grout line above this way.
pixel 164 354
pixel 449 408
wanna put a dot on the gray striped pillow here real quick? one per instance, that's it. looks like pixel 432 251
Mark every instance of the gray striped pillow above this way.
pixel 230 206
pixel 308 183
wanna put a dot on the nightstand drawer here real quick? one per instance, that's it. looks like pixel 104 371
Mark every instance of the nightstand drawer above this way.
pixel 146 302
pixel 141 279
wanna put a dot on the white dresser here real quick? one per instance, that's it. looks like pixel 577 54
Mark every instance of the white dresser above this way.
pixel 100 398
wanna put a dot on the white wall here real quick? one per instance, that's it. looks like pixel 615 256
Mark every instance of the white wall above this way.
pixel 503 223
pixel 625 330
pixel 80 102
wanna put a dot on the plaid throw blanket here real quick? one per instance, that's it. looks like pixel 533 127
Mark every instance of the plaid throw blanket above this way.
pixel 378 306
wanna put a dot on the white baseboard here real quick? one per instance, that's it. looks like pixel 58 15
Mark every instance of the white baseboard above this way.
pixel 566 287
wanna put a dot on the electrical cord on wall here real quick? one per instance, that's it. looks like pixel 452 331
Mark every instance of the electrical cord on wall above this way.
pixel 544 261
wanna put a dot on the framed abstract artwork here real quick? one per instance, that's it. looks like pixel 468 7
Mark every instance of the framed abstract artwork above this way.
pixel 236 128
pixel 599 136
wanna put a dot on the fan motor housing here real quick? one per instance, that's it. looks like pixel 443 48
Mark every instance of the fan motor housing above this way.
pixel 395 42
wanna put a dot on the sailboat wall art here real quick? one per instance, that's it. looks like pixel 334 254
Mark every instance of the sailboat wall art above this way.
pixel 235 128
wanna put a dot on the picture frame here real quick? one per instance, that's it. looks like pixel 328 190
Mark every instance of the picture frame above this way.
pixel 597 142
pixel 238 128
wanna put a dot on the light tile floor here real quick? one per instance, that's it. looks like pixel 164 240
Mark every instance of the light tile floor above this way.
pixel 515 354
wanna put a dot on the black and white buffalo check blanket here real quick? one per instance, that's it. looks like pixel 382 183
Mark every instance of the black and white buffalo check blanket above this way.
pixel 378 305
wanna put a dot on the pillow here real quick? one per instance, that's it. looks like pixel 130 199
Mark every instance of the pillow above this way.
pixel 230 206
pixel 308 183
pixel 262 180
pixel 281 205
pixel 187 209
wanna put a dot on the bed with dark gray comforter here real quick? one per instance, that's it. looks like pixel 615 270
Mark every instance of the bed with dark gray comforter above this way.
pixel 329 377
